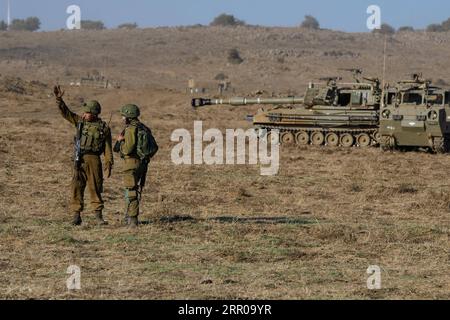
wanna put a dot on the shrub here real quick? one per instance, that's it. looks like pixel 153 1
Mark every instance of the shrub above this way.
pixel 406 29
pixel 3 26
pixel 446 25
pixel 128 26
pixel 28 24
pixel 221 76
pixel 92 25
pixel 442 27
pixel 226 20
pixel 310 23
pixel 385 29
pixel 234 57
pixel 435 28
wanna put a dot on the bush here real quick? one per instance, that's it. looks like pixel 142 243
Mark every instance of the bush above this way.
pixel 435 28
pixel 128 26
pixel 92 25
pixel 385 29
pixel 446 25
pixel 3 26
pixel 234 57
pixel 226 20
pixel 221 76
pixel 310 23
pixel 406 29
pixel 28 24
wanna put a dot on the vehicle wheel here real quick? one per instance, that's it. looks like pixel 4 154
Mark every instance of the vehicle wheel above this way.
pixel 363 140
pixel 302 138
pixel 347 140
pixel 332 139
pixel 317 138
pixel 287 138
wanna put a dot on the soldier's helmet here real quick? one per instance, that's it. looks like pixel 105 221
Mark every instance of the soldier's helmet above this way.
pixel 130 111
pixel 93 107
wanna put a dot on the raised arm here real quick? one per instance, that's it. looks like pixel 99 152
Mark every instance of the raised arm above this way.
pixel 70 116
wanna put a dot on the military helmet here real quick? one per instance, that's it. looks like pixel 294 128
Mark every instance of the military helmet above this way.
pixel 130 111
pixel 92 107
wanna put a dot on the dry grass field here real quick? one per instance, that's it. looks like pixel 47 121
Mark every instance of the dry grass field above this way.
pixel 215 231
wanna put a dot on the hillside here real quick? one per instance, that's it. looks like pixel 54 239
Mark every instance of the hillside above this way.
pixel 275 59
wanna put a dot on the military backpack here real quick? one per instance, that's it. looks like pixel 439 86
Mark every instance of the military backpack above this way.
pixel 93 137
pixel 146 146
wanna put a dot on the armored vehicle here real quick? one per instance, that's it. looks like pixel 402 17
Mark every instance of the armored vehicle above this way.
pixel 416 114
pixel 331 113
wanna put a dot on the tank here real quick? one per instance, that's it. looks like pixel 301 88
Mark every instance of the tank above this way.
pixel 331 113
pixel 415 114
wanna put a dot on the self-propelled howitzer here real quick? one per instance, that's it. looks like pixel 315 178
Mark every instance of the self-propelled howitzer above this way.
pixel 330 113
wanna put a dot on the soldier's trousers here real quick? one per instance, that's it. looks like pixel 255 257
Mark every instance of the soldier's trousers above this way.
pixel 132 173
pixel 89 175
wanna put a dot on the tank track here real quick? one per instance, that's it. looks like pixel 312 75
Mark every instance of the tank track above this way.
pixel 345 137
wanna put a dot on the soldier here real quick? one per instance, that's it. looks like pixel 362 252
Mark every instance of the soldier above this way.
pixel 136 146
pixel 94 139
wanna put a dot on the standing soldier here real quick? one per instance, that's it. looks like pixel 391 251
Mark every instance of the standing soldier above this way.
pixel 93 139
pixel 137 146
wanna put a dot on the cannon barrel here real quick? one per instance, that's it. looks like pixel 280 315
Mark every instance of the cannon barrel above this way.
pixel 200 102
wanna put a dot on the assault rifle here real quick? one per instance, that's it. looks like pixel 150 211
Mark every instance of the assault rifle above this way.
pixel 143 179
pixel 77 146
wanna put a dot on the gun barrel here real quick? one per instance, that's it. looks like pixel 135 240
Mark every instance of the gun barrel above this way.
pixel 200 102
pixel 77 146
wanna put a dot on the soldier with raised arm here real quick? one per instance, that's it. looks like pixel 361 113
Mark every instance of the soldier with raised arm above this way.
pixel 93 139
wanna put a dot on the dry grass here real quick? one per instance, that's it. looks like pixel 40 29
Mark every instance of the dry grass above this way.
pixel 216 231
pixel 275 59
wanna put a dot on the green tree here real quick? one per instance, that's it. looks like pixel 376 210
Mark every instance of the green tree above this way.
pixel 435 28
pixel 446 25
pixel 310 23
pixel 3 26
pixel 28 24
pixel 226 20
pixel 128 26
pixel 234 56
pixel 385 29
pixel 406 29
pixel 92 25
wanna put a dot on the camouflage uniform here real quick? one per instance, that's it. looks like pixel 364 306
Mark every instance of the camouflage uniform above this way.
pixel 133 168
pixel 90 173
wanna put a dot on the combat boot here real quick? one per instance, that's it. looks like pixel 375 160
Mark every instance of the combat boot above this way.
pixel 76 221
pixel 133 222
pixel 99 218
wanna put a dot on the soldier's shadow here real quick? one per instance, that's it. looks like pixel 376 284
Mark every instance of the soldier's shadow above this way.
pixel 231 219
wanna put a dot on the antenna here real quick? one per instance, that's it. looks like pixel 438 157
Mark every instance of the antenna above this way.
pixel 383 85
pixel 9 15
pixel 384 61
